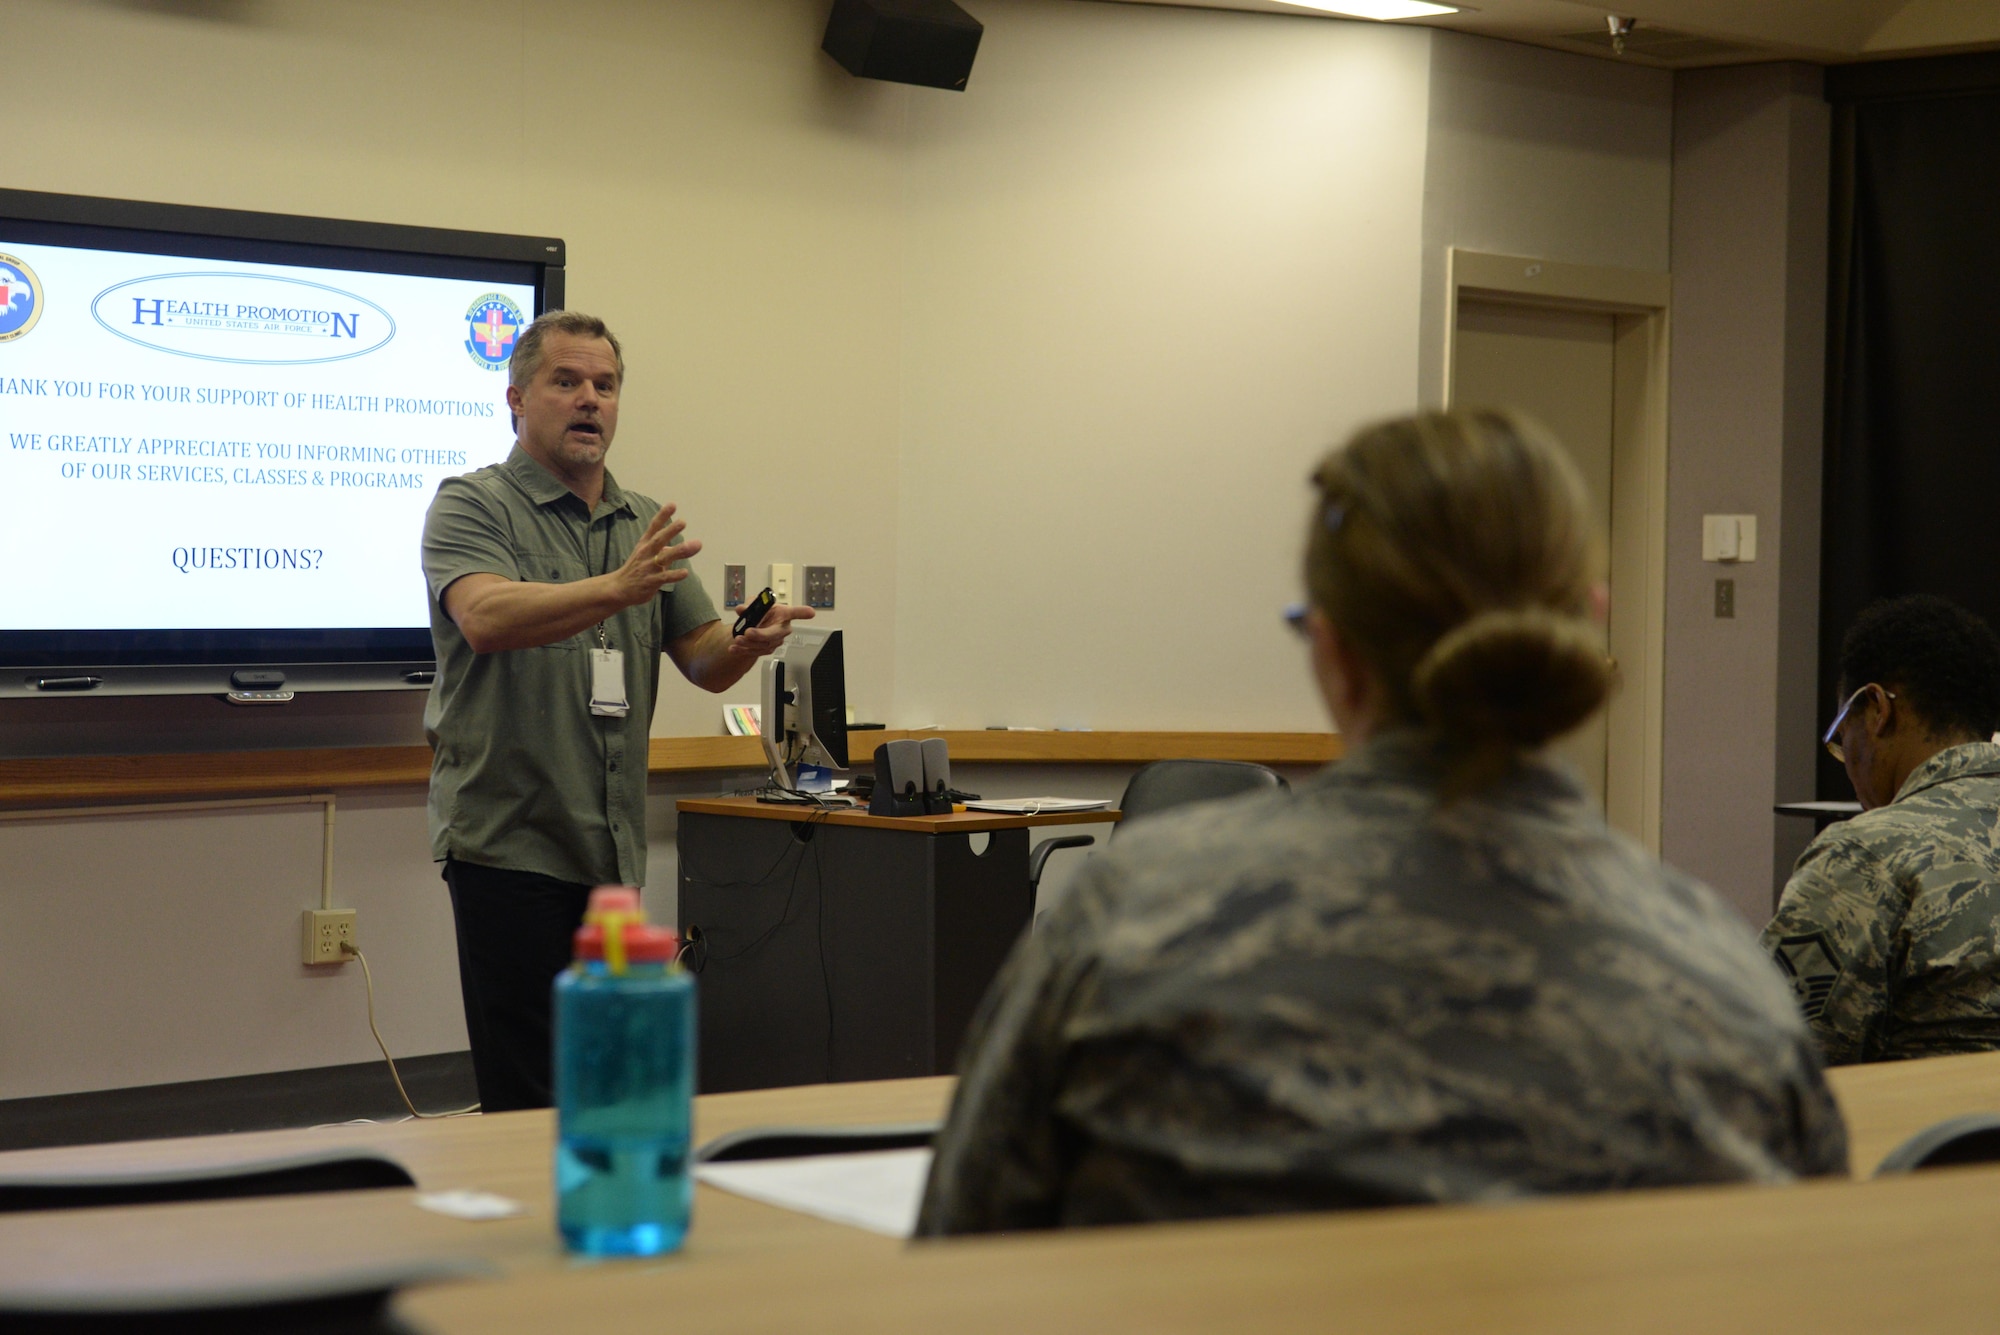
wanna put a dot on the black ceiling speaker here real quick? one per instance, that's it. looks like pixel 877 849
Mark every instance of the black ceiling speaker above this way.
pixel 926 42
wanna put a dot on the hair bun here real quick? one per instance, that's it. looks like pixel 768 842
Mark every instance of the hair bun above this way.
pixel 1512 680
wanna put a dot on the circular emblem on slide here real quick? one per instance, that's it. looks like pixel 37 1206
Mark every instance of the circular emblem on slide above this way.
pixel 493 323
pixel 20 298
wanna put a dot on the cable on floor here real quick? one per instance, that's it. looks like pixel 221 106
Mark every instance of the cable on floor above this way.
pixel 368 977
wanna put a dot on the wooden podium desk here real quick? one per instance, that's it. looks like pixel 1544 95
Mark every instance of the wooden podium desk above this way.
pixel 834 945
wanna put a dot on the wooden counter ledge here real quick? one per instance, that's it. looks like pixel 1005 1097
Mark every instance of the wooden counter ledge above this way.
pixel 85 780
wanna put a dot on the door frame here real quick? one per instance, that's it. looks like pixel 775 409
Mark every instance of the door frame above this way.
pixel 1640 304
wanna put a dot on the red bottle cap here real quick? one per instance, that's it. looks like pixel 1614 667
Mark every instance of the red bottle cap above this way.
pixel 644 943
pixel 613 899
pixel 614 930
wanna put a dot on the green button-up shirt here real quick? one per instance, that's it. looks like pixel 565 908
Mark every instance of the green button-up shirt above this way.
pixel 523 775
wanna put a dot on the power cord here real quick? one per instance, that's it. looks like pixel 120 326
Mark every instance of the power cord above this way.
pixel 758 883
pixel 776 793
pixel 801 837
pixel 694 952
pixel 771 789
pixel 368 976
pixel 825 975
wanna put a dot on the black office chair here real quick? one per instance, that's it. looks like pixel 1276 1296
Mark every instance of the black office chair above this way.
pixel 332 1300
pixel 801 1142
pixel 1158 787
pixel 333 1170
pixel 1973 1138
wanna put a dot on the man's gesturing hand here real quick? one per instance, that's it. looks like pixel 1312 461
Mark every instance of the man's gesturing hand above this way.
pixel 769 633
pixel 650 566
pixel 713 659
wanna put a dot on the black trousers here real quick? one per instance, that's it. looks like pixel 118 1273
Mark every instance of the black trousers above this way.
pixel 515 931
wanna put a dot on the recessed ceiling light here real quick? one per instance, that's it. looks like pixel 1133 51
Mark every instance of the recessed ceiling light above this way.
pixel 1376 9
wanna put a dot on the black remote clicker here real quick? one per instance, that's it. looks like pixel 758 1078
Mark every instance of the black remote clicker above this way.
pixel 755 611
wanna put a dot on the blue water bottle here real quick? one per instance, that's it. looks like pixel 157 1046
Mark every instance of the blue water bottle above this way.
pixel 625 1034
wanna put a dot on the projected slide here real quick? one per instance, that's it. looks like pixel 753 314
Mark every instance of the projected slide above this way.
pixel 188 443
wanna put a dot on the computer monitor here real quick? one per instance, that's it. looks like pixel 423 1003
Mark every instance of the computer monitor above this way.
pixel 804 705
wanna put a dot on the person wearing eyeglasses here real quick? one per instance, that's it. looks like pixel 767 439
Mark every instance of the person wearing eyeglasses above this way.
pixel 1430 973
pixel 1887 927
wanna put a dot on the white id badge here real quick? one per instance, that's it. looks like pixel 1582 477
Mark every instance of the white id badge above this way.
pixel 607 683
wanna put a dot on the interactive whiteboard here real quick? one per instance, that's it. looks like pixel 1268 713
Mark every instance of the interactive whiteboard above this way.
pixel 221 451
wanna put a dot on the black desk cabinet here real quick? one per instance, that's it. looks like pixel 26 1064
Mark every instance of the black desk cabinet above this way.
pixel 833 951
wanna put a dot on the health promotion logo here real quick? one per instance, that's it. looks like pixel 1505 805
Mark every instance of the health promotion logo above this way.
pixel 493 322
pixel 20 298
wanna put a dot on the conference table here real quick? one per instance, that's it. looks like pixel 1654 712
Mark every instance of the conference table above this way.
pixel 1897 1253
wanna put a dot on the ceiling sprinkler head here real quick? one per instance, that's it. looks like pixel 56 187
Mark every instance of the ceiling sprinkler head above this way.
pixel 1620 28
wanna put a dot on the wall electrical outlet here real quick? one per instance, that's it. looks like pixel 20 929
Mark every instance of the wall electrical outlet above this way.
pixel 781 582
pixel 734 593
pixel 326 931
pixel 1725 598
pixel 819 586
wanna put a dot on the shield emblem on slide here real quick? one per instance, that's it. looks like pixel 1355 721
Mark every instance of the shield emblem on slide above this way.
pixel 492 324
pixel 20 298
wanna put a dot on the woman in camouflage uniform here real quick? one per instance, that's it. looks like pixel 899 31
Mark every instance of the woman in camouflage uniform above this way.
pixel 1432 973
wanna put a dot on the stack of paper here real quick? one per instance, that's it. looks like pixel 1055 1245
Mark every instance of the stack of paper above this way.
pixel 1037 806
pixel 879 1190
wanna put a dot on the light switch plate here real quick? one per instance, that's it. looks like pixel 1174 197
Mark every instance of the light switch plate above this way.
pixel 781 583
pixel 1729 537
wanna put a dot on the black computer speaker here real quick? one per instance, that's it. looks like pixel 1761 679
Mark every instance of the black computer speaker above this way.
pixel 899 780
pixel 937 776
pixel 926 42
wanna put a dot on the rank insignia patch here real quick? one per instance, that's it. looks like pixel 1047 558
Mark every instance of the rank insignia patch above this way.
pixel 1810 962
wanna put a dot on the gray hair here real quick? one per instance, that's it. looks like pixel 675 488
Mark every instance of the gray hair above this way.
pixel 527 357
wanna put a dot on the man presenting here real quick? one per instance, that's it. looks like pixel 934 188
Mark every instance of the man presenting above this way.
pixel 553 594
pixel 1887 927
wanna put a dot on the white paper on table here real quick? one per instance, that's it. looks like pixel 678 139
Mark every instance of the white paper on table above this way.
pixel 879 1190
pixel 473 1205
pixel 1036 806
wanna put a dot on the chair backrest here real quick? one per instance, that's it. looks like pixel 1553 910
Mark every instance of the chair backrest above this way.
pixel 1973 1138
pixel 333 1170
pixel 225 1295
pixel 799 1142
pixel 1166 784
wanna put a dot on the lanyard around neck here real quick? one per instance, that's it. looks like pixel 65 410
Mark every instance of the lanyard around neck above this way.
pixel 610 522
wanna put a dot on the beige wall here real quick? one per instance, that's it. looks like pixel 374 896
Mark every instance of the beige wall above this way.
pixel 729 197
pixel 1750 208
pixel 140 950
pixel 1542 154
pixel 1040 367
pixel 732 204
pixel 1160 259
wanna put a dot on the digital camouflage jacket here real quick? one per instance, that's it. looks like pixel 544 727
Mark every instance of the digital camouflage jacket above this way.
pixel 1888 927
pixel 1354 995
